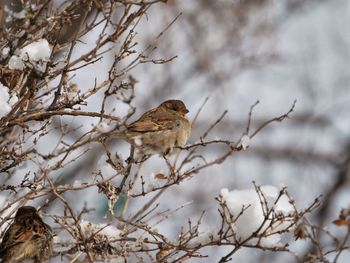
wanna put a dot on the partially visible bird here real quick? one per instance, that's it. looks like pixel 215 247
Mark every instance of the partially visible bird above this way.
pixel 159 130
pixel 27 238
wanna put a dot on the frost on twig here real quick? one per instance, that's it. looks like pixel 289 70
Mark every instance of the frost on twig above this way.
pixel 244 142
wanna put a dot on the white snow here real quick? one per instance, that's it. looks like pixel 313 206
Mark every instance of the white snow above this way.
pixel 244 142
pixel 5 52
pixel 254 214
pixel 57 239
pixel 16 62
pixel 36 55
pixel 37 50
pixel 104 126
pixel 109 231
pixel 6 100
pixel 138 141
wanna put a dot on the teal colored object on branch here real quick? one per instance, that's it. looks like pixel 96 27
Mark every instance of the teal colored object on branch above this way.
pixel 118 208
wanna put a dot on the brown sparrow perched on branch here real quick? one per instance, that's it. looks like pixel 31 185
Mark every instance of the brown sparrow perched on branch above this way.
pixel 160 129
pixel 27 238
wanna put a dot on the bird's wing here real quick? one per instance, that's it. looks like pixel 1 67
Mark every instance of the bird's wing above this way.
pixel 18 232
pixel 15 234
pixel 154 121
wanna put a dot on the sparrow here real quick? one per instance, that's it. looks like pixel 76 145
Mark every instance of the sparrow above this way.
pixel 27 238
pixel 161 129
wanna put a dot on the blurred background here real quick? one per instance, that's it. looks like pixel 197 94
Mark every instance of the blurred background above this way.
pixel 235 53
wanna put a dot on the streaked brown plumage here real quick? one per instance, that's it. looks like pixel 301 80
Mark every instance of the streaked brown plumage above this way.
pixel 27 238
pixel 160 129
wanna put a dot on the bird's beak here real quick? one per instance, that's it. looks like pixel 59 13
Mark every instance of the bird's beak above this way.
pixel 187 111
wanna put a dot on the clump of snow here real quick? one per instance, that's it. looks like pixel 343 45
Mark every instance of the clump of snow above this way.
pixel 35 55
pixel 108 231
pixel 6 100
pixel 255 206
pixel 244 142
pixel 5 52
pixel 104 127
